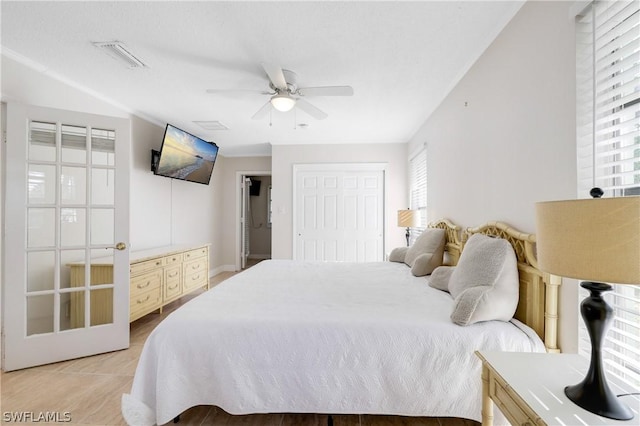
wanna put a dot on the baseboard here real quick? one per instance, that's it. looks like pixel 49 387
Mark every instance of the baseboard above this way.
pixel 223 268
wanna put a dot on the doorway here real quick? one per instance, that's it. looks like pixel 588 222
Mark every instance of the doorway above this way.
pixel 253 219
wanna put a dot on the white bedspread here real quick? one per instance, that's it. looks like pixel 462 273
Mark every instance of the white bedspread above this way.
pixel 288 336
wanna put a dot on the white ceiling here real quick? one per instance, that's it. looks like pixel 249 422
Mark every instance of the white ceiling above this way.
pixel 401 58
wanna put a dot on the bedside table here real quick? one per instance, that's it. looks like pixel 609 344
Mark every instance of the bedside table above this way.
pixel 528 388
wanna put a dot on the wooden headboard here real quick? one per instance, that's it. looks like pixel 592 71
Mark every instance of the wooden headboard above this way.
pixel 453 245
pixel 538 304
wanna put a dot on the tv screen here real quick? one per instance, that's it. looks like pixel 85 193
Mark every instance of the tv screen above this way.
pixel 186 157
pixel 254 189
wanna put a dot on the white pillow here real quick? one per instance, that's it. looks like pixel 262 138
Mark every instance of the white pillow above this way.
pixel 485 283
pixel 427 252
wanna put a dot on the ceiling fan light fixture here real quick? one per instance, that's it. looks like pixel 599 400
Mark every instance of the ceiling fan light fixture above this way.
pixel 283 102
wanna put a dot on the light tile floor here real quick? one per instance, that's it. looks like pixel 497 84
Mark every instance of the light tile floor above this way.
pixel 90 388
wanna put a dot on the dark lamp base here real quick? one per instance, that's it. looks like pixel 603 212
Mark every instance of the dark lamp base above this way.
pixel 599 401
pixel 593 393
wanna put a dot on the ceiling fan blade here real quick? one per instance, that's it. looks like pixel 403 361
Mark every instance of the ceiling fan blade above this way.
pixel 237 92
pixel 275 74
pixel 262 112
pixel 326 91
pixel 313 111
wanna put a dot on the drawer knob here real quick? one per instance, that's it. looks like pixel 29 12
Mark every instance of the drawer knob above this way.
pixel 144 285
pixel 142 301
pixel 174 287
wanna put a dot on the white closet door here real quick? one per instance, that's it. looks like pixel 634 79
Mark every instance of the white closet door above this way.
pixel 339 212
pixel 67 200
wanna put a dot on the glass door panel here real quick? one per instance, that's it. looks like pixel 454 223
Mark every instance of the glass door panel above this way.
pixel 102 224
pixel 103 186
pixel 73 227
pixel 103 147
pixel 40 314
pixel 74 144
pixel 41 188
pixel 73 185
pixel 42 141
pixel 72 268
pixel 101 286
pixel 41 227
pixel 41 266
pixel 72 310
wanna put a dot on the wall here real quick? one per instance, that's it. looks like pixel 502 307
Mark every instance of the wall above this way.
pixel 285 156
pixel 504 138
pixel 163 211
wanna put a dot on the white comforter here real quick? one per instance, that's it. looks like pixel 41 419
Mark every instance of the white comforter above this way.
pixel 288 336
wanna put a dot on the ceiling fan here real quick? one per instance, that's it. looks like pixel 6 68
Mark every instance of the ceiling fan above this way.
pixel 285 93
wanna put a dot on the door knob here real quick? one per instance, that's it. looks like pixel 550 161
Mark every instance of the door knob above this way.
pixel 120 246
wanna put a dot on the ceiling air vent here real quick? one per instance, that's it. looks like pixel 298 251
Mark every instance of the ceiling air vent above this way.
pixel 117 50
pixel 211 125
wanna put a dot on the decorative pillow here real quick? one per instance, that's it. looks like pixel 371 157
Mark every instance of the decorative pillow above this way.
pixel 397 254
pixel 440 277
pixel 485 282
pixel 429 248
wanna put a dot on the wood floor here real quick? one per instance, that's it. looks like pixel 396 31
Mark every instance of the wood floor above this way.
pixel 87 391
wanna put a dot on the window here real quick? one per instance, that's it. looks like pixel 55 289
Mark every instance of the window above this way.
pixel 608 108
pixel 418 188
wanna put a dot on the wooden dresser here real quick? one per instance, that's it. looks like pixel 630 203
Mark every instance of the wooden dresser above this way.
pixel 158 276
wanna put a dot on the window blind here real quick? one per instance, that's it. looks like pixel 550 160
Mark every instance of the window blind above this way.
pixel 418 189
pixel 608 148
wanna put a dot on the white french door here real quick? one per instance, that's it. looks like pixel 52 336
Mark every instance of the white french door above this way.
pixel 244 221
pixel 339 212
pixel 66 201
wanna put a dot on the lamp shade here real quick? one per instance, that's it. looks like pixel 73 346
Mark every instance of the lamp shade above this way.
pixel 408 218
pixel 595 239
pixel 283 102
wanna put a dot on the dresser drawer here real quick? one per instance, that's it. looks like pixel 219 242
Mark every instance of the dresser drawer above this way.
pixel 195 266
pixel 172 282
pixel 145 302
pixel 195 279
pixel 148 265
pixel 193 254
pixel 173 259
pixel 143 283
pixel 509 403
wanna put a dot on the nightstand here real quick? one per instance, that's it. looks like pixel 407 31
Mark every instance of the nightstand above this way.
pixel 528 388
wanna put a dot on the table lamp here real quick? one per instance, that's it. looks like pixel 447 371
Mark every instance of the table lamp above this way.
pixel 598 240
pixel 408 219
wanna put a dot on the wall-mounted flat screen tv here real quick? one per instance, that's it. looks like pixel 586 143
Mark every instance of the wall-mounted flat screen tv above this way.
pixel 186 157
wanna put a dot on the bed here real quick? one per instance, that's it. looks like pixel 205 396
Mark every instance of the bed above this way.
pixel 336 338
